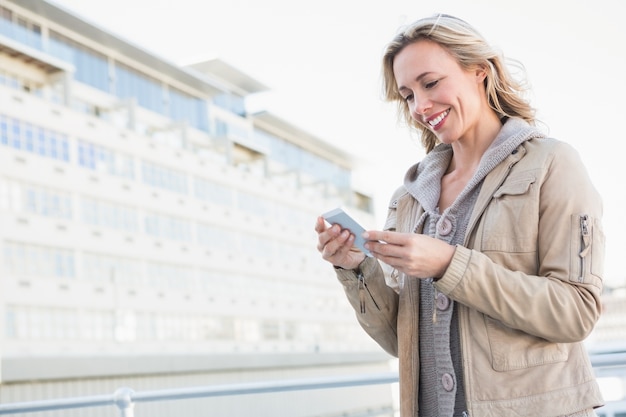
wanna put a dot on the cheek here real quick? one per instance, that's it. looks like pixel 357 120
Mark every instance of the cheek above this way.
pixel 475 95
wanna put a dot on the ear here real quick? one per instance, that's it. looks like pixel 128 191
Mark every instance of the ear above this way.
pixel 481 74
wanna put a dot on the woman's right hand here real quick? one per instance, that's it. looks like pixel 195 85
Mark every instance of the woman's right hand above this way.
pixel 337 246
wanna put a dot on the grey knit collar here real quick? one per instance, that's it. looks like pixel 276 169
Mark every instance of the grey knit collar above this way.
pixel 423 180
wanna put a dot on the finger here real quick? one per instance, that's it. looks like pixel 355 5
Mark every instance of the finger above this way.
pixel 320 225
pixel 385 236
pixel 384 249
pixel 338 247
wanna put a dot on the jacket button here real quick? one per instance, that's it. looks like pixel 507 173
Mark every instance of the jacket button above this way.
pixel 448 382
pixel 444 227
pixel 442 302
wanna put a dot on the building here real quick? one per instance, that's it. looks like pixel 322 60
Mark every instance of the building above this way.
pixel 156 235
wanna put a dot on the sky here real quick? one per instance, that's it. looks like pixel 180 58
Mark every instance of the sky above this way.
pixel 321 61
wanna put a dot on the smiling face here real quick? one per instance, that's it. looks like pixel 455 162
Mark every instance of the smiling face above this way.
pixel 440 94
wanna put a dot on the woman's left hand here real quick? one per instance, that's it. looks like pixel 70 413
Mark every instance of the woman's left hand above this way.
pixel 413 254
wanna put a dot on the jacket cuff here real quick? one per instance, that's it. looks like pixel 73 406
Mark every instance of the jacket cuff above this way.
pixel 348 276
pixel 456 270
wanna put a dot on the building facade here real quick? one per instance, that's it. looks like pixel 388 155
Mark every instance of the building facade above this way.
pixel 154 234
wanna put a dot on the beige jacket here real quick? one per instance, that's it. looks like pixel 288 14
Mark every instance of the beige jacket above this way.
pixel 526 282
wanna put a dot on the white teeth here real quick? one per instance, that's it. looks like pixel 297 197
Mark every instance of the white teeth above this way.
pixel 438 119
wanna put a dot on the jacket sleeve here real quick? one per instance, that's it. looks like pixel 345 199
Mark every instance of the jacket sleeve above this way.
pixel 375 304
pixel 373 299
pixel 558 299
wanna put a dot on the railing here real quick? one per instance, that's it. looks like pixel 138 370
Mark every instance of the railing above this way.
pixel 125 398
pixel 611 365
pixel 608 360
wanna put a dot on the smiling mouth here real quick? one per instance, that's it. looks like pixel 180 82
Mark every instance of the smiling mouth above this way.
pixel 434 122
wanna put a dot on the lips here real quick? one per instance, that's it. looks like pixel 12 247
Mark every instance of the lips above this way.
pixel 435 121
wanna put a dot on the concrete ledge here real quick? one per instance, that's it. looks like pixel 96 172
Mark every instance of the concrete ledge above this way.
pixel 21 369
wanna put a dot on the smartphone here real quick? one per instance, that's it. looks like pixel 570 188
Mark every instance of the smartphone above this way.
pixel 342 218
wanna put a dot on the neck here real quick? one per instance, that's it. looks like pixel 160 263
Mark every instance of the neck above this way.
pixel 468 151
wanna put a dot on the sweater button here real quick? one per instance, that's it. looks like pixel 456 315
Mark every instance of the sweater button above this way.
pixel 448 382
pixel 442 302
pixel 444 227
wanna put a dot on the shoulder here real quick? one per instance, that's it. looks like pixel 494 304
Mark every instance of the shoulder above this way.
pixel 398 194
pixel 558 165
pixel 549 146
pixel 551 151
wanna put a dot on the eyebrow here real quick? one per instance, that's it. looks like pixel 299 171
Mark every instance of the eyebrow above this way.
pixel 417 79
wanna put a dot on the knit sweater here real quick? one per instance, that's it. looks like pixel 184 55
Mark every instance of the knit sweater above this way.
pixel 441 381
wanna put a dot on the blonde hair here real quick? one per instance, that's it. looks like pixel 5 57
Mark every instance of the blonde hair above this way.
pixel 505 94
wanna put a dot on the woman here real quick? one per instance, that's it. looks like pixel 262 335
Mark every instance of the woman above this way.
pixel 494 240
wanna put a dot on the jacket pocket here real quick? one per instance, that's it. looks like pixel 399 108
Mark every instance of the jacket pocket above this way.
pixel 517 186
pixel 513 349
pixel 510 216
pixel 587 250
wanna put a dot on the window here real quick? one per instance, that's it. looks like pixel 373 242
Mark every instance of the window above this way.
pixel 100 159
pixel 27 198
pixel 291 157
pixel 259 247
pixel 35 261
pixel 217 238
pixel 167 227
pixel 183 107
pixel 168 276
pixel 232 103
pixel 30 138
pixel 92 68
pixel 254 204
pixel 213 193
pixel 147 90
pixel 20 29
pixel 108 269
pixel 109 215
pixel 163 177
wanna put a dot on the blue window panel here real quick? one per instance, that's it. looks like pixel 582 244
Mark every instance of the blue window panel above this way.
pixel 52 141
pixel 65 151
pixel 15 134
pixel 91 157
pixel 20 33
pixel 29 143
pixel 100 156
pixel 70 267
pixel 81 155
pixel 58 265
pixel 55 205
pixel 60 50
pixel 91 68
pixel 149 94
pixel 30 201
pixel 4 130
pixel 41 143
pixel 183 107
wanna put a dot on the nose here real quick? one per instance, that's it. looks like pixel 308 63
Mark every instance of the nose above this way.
pixel 420 106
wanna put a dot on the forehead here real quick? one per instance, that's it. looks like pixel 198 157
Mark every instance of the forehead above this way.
pixel 422 56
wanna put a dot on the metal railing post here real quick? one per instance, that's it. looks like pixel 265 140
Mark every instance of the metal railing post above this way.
pixel 123 399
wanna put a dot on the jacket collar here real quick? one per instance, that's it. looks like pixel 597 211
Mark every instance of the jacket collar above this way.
pixel 423 180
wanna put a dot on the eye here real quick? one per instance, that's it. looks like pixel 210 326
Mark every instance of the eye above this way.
pixel 431 84
pixel 408 97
